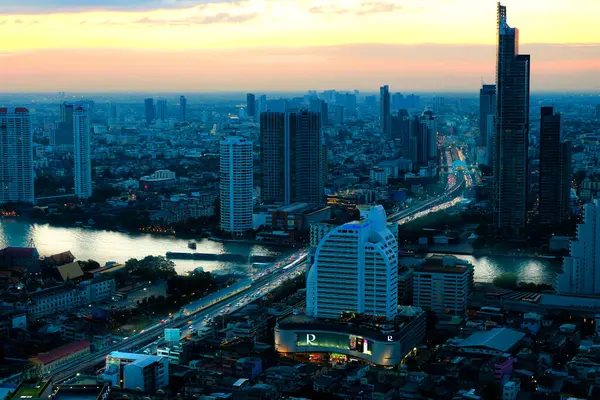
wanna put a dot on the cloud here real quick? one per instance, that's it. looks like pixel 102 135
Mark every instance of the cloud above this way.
pixel 76 6
pixel 364 8
pixel 217 18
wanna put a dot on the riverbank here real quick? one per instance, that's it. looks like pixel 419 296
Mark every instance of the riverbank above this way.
pixel 467 250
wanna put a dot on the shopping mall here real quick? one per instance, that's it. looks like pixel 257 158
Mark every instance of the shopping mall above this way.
pixel 357 337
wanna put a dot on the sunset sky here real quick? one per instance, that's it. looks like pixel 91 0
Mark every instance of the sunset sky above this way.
pixel 276 45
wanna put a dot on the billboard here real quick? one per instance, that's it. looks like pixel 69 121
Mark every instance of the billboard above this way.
pixel 172 335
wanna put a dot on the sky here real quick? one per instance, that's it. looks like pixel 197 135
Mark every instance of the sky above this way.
pixel 289 45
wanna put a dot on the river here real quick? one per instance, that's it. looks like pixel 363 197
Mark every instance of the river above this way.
pixel 104 246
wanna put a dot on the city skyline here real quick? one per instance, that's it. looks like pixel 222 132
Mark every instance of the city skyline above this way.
pixel 409 46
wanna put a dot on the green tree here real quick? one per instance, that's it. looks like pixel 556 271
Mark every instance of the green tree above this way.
pixel 506 280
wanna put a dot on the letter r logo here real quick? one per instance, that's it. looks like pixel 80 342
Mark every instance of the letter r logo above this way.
pixel 390 338
pixel 310 338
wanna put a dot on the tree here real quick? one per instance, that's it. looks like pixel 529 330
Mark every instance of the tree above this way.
pixel 89 265
pixel 506 280
pixel 151 268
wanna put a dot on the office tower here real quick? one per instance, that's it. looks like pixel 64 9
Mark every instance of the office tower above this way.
pixel 413 101
pixel 16 156
pixel 598 112
pixel 487 107
pixel 324 164
pixel 580 270
pixel 149 110
pixel 338 115
pixel 182 108
pixel 251 105
pixel 162 112
pixel 512 129
pixel 355 269
pixel 428 122
pixel 441 289
pixel 111 114
pixel 320 106
pixel 555 164
pixel 291 159
pixel 236 185
pixel 385 115
pixel 262 104
pixel 64 131
pixel 397 101
pixel 401 131
pixel 82 153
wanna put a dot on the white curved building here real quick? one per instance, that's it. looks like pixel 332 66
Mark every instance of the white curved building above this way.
pixel 355 269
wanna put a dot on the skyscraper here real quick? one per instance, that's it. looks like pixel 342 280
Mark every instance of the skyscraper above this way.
pixel 149 110
pixel 182 108
pixel 598 112
pixel 580 270
pixel 251 105
pixel 355 269
pixel 82 153
pixel 401 131
pixel 428 122
pixel 16 156
pixel 385 113
pixel 487 107
pixel 512 129
pixel 555 182
pixel 397 101
pixel 291 147
pixel 236 185
pixel 64 131
pixel 111 113
pixel 320 106
pixel 162 113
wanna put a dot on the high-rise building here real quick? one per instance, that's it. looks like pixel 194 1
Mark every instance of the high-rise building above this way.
pixel 397 101
pixel 64 132
pixel 441 289
pixel 182 108
pixel 82 153
pixel 355 269
pixel 428 122
pixel 385 112
pixel 150 111
pixel 236 185
pixel 251 105
pixel 555 165
pixel 324 164
pixel 291 147
pixel 598 111
pixel 16 156
pixel 487 107
pixel 512 129
pixel 162 113
pixel 111 114
pixel 401 130
pixel 339 115
pixel 140 372
pixel 320 106
pixel 580 270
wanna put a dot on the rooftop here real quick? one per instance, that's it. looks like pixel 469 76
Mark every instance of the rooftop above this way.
pixel 61 352
pixel 70 271
pixel 499 339
pixel 435 269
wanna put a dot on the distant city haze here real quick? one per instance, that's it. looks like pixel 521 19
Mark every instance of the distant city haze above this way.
pixel 277 45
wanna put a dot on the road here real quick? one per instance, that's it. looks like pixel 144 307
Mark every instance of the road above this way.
pixel 246 292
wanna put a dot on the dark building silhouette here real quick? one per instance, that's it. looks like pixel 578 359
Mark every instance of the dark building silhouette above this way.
pixel 182 108
pixel 251 105
pixel 385 113
pixel 291 157
pixel 149 110
pixel 401 130
pixel 320 106
pixel 512 129
pixel 555 166
pixel 598 112
pixel 162 112
pixel 64 132
pixel 487 110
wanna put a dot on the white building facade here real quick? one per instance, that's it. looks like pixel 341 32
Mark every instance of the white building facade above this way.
pixel 236 185
pixel 355 269
pixel 441 289
pixel 16 156
pixel 581 271
pixel 83 154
